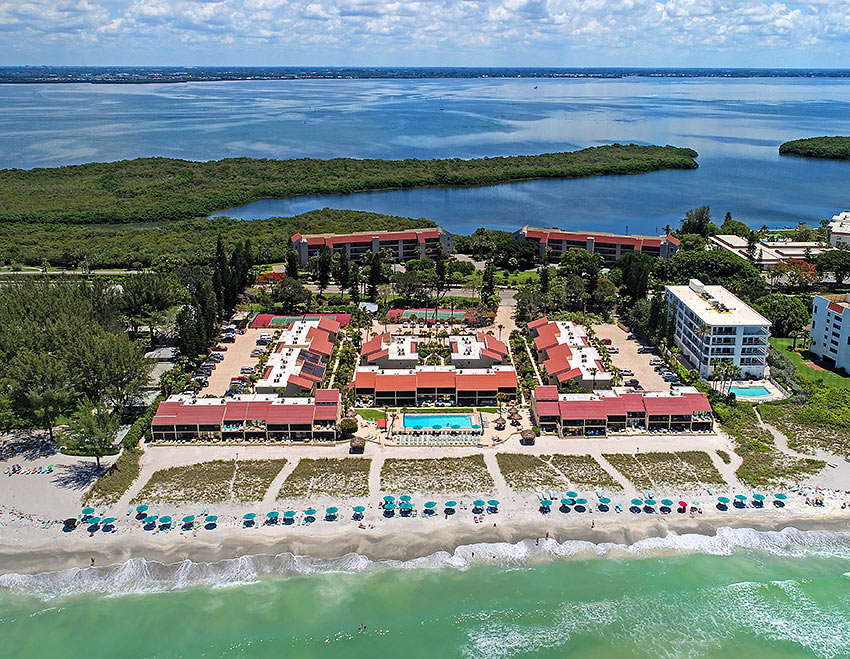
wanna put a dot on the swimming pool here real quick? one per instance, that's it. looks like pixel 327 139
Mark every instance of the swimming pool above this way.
pixel 438 421
pixel 751 392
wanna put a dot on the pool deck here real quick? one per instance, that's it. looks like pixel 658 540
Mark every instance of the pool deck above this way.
pixel 775 392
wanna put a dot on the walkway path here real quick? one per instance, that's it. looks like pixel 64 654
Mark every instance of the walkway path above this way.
pixel 502 487
pixel 270 496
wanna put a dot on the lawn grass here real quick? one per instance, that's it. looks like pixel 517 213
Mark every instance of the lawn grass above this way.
pixel 467 474
pixel 116 481
pixel 826 377
pixel 210 482
pixel 370 414
pixel 653 470
pixel 342 477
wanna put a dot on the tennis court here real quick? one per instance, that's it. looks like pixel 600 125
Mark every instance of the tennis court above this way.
pixel 426 314
pixel 270 320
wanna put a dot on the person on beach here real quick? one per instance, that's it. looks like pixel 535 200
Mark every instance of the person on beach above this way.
pixel 92 561
pixel 592 523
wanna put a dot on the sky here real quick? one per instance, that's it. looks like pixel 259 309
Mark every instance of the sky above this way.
pixel 723 33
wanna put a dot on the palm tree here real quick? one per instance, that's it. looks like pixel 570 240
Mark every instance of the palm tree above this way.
pixel 593 372
pixel 500 327
pixel 500 399
pixel 703 331
pixel 734 372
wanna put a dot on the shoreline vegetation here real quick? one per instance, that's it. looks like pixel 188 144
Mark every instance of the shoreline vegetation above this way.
pixel 165 189
pixel 823 148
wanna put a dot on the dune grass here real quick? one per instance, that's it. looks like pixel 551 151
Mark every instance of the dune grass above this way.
pixel 679 469
pixel 467 474
pixel 344 477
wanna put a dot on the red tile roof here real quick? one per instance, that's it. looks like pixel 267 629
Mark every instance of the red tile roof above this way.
pixel 534 324
pixel 236 410
pixel 582 409
pixel 365 379
pixel 284 414
pixel 200 414
pixel 678 405
pixel 300 381
pixel 326 412
pixel 548 408
pixel 327 396
pixel 374 344
pixel 433 379
pixel 395 382
pixel 546 393
pixel 485 381
pixel 837 308
pixel 328 324
pixel 572 374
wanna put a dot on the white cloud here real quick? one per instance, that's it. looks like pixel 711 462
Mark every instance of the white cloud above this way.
pixel 453 30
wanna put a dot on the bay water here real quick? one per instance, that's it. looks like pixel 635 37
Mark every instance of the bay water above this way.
pixel 736 125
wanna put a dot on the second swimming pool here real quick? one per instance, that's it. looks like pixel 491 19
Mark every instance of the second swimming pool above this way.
pixel 438 421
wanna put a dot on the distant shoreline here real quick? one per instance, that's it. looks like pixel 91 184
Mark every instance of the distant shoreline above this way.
pixel 123 75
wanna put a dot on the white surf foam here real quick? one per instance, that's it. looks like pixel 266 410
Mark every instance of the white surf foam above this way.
pixel 139 575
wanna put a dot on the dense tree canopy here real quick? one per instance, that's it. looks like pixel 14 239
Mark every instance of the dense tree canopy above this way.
pixel 786 313
pixel 718 267
pixel 833 148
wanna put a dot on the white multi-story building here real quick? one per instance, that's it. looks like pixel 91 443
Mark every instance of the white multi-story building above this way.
pixel 838 229
pixel 830 331
pixel 713 324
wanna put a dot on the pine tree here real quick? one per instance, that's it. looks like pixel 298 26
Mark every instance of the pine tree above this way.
pixel 292 264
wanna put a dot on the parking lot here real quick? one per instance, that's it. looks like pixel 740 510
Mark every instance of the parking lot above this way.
pixel 629 358
pixel 238 354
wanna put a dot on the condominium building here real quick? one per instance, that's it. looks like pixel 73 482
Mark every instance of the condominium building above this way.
pixel 830 330
pixel 621 410
pixel 556 243
pixel 713 324
pixel 402 351
pixel 300 358
pixel 838 229
pixel 429 384
pixel 253 418
pixel 404 245
pixel 566 354
pixel 768 252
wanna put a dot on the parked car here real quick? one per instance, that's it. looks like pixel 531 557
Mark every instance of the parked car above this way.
pixel 637 387
pixel 607 342
pixel 656 362
pixel 613 350
pixel 627 371
pixel 220 348
pixel 247 370
pixel 632 382
pixel 645 349
pixel 631 337
pixel 671 378
pixel 227 338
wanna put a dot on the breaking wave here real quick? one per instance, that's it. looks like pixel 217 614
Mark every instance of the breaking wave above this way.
pixel 139 575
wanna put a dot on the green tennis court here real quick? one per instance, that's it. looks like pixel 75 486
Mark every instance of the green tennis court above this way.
pixel 442 314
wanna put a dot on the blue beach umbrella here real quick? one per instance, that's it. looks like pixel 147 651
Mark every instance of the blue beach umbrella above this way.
pixel 273 514
pixel 93 521
pixel 150 519
pixel 406 505
pixel 289 513
pixel 249 515
pixel 389 506
pixel 568 502
pixel 493 502
pixel 211 518
pixel 572 495
pixel 141 509
pixel 88 511
pixel 649 502
pixel 405 497
pixel 637 502
pixel 781 496
pixel 188 519
pixel 581 502
pixel 109 520
pixel 723 500
pixel 430 504
pixel 310 512
pixel 741 497
pixel 165 520
pixel 478 503
pixel 758 497
pixel 604 500
pixel 546 503
pixel 389 499
pixel 451 504
pixel 359 509
pixel 666 502
pixel 333 510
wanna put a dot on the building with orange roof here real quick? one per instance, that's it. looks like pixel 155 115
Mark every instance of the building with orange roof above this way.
pixel 300 358
pixel 404 245
pixel 555 243
pixel 567 355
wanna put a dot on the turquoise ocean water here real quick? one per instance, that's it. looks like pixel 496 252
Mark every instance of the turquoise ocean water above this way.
pixel 742 593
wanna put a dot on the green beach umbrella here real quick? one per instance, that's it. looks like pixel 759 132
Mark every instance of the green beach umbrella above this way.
pixel 581 502
pixel 310 512
pixel 493 502
pixel 333 510
pixel 430 504
pixel 188 518
pixel 478 502
pixel 572 495
pixel 273 514
pixel 141 509
pixel 666 502
pixel 389 499
pixel 723 500
pixel 741 497
pixel 359 509
pixel 405 497
pixel 88 511
pixel 289 513
pixel 93 520
pixel 249 515
pixel 109 520
pixel 758 497
pixel 781 496
pixel 637 502
pixel 604 500
pixel 649 502
pixel 451 504
pixel 211 518
pixel 389 506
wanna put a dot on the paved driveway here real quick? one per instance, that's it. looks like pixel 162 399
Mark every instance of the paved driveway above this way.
pixel 630 359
